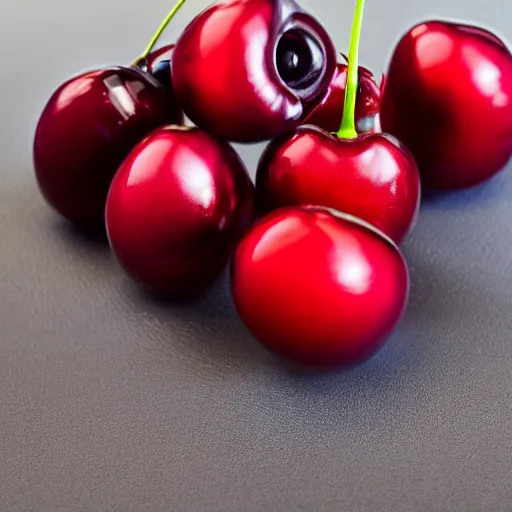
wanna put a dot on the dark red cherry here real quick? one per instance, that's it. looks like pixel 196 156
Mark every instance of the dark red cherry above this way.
pixel 176 207
pixel 87 128
pixel 319 287
pixel 329 112
pixel 248 70
pixel 448 98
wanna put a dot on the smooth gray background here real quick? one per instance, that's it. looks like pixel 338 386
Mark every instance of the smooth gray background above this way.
pixel 111 401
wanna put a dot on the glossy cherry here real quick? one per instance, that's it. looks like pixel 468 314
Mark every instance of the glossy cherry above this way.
pixel 448 98
pixel 371 176
pixel 327 114
pixel 248 70
pixel 319 287
pixel 176 207
pixel 87 128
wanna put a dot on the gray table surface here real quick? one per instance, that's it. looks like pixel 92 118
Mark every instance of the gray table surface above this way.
pixel 113 402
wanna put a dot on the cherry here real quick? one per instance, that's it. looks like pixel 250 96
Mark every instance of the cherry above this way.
pixel 178 203
pixel 448 97
pixel 248 70
pixel 327 114
pixel 319 287
pixel 372 176
pixel 88 127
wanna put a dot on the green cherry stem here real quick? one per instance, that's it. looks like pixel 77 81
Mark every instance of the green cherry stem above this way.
pixel 161 28
pixel 348 125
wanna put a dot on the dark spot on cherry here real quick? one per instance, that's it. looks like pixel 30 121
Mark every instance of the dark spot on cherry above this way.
pixel 162 73
pixel 299 59
pixel 157 70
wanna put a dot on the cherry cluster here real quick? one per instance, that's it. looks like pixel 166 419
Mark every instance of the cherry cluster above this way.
pixel 317 275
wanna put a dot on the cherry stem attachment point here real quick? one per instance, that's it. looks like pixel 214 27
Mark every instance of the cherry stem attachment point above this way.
pixel 348 124
pixel 158 33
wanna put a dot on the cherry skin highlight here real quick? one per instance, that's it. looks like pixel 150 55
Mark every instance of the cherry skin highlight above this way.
pixel 248 70
pixel 318 287
pixel 176 207
pixel 87 128
pixel 373 177
pixel 448 98
pixel 328 114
